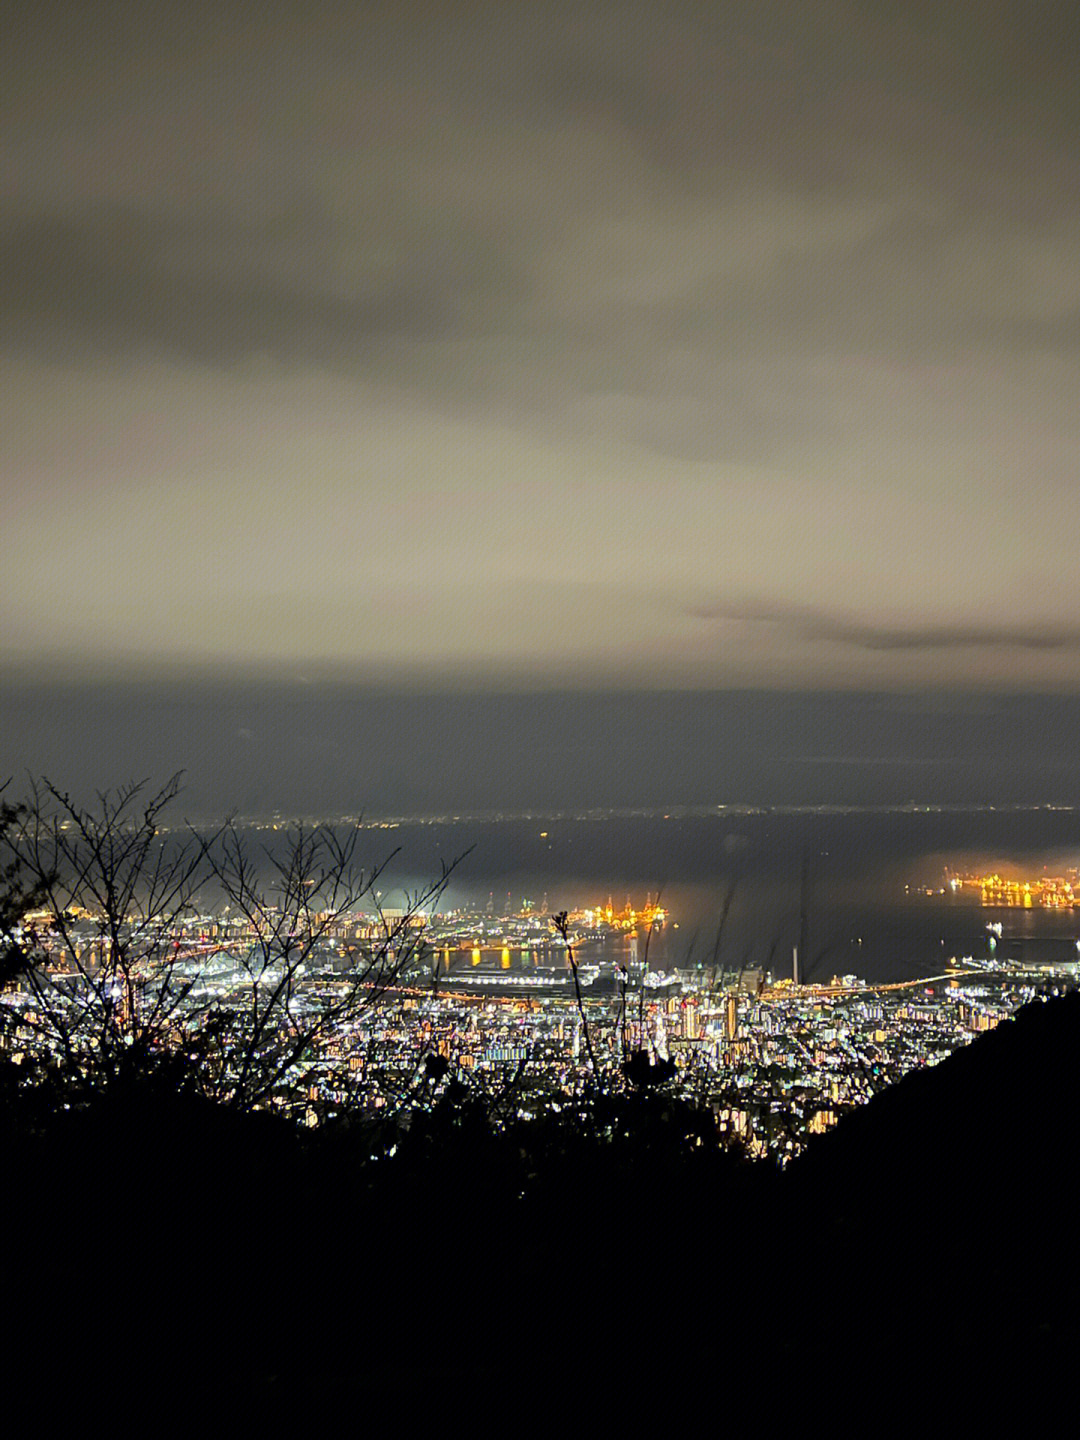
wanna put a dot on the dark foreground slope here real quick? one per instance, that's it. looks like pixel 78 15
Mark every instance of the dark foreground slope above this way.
pixel 944 1211
pixel 194 1253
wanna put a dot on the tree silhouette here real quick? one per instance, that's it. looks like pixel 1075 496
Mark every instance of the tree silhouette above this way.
pixel 104 922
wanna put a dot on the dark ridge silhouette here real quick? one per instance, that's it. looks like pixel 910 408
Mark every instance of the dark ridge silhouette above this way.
pixel 947 1201
pixel 1010 1096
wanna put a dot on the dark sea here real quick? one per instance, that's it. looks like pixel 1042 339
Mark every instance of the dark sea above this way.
pixel 853 883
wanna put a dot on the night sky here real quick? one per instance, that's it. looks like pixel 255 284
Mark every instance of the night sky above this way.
pixel 489 405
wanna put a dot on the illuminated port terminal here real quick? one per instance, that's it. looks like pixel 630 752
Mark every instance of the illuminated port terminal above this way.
pixel 1047 892
pixel 522 950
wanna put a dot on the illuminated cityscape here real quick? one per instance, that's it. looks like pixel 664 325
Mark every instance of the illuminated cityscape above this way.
pixel 501 997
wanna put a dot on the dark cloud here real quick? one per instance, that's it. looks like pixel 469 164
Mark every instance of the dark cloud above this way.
pixel 118 281
pixel 335 748
pixel 869 761
pixel 808 627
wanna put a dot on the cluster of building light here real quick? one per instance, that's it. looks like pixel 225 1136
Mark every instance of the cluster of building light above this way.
pixel 776 1062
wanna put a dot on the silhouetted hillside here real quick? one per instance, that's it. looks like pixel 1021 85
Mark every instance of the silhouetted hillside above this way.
pixel 945 1206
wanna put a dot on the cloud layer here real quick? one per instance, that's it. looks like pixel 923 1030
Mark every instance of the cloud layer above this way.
pixel 479 341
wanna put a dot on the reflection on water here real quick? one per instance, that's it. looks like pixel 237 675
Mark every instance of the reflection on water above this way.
pixel 858 919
